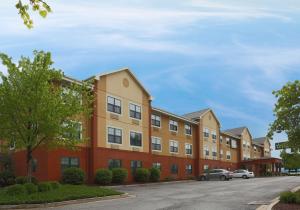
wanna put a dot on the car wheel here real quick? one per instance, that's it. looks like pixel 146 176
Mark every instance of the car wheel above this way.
pixel 244 177
pixel 223 178
pixel 202 178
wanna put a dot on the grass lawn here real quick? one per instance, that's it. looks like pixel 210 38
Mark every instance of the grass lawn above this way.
pixel 65 192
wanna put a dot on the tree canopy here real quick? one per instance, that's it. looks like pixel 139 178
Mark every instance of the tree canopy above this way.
pixel 287 113
pixel 39 107
pixel 36 5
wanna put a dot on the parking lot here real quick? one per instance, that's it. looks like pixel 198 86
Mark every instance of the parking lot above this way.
pixel 236 194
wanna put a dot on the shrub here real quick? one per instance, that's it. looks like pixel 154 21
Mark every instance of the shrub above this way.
pixel 119 175
pixel 298 198
pixel 44 187
pixel 169 178
pixel 6 178
pixel 25 179
pixel 154 174
pixel 141 175
pixel 16 189
pixel 30 188
pixel 73 176
pixel 54 185
pixel 288 197
pixel 103 177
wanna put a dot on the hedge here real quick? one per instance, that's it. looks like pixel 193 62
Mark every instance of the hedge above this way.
pixel 154 174
pixel 103 176
pixel 73 175
pixel 119 175
pixel 141 175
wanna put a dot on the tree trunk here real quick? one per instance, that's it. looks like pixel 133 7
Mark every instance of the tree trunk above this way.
pixel 29 163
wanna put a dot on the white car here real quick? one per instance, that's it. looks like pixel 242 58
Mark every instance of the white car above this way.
pixel 242 173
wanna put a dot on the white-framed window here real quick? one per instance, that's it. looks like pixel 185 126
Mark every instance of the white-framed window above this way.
pixel 244 143
pixel 227 141
pixel 221 139
pixel 233 143
pixel 173 125
pixel 188 169
pixel 155 120
pixel 135 139
pixel 173 146
pixel 206 167
pixel 214 151
pixel 156 143
pixel 255 148
pixel 206 132
pixel 188 149
pixel 221 154
pixel 248 144
pixel 205 150
pixel 228 155
pixel 73 130
pixel 188 129
pixel 114 135
pixel 156 165
pixel 135 111
pixel 214 135
pixel 114 105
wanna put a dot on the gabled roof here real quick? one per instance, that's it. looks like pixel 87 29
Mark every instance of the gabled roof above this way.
pixel 97 77
pixel 199 114
pixel 230 134
pixel 257 144
pixel 260 140
pixel 235 131
pixel 173 115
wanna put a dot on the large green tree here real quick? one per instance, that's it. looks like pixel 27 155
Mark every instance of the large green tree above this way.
pixel 291 161
pixel 24 6
pixel 39 108
pixel 287 114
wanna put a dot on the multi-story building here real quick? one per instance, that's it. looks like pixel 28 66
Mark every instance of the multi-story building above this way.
pixel 126 131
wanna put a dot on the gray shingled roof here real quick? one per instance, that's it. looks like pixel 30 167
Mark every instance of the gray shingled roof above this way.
pixel 260 140
pixel 236 131
pixel 195 115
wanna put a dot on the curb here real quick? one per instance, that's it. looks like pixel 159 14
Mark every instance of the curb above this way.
pixel 275 201
pixel 151 184
pixel 62 203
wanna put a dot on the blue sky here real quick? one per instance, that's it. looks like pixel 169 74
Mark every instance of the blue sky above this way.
pixel 192 54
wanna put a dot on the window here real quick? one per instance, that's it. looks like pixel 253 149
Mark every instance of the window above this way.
pixel 221 139
pixel 174 146
pixel 135 111
pixel 248 144
pixel 67 162
pixel 113 105
pixel 174 169
pixel 244 143
pixel 188 129
pixel 221 154
pixel 206 167
pixel 12 145
pixel 135 139
pixel 233 143
pixel 134 164
pixel 205 151
pixel 114 163
pixel 114 135
pixel 72 130
pixel 214 135
pixel 156 144
pixel 227 141
pixel 156 165
pixel 188 149
pixel 155 120
pixel 188 169
pixel 254 148
pixel 206 132
pixel 228 155
pixel 173 125
pixel 214 152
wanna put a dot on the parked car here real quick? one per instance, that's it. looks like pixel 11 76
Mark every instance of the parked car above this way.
pixel 242 173
pixel 216 174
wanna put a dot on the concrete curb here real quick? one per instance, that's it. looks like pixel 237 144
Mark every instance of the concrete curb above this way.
pixel 275 201
pixel 151 184
pixel 62 203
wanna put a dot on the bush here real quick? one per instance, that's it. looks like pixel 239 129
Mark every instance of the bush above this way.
pixel 6 178
pixel 54 185
pixel 169 178
pixel 30 188
pixel 154 174
pixel 141 175
pixel 103 176
pixel 119 175
pixel 16 189
pixel 288 197
pixel 73 176
pixel 25 179
pixel 44 187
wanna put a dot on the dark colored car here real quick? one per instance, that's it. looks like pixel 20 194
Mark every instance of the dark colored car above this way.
pixel 216 174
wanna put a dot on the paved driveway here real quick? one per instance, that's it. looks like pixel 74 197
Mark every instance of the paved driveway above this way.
pixel 214 195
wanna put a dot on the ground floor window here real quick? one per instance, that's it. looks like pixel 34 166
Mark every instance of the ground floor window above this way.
pixel 114 163
pixel 134 164
pixel 67 162
pixel 188 169
pixel 156 165
pixel 174 169
pixel 206 167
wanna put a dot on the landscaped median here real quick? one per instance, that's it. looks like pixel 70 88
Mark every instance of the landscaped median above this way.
pixel 288 200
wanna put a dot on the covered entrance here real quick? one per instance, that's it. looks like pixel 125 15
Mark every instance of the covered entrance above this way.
pixel 263 166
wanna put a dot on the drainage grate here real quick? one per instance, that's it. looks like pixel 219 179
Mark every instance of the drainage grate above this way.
pixel 259 203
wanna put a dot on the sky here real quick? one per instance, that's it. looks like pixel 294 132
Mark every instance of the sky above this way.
pixel 226 55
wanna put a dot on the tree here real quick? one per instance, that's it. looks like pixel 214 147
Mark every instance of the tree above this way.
pixel 36 5
pixel 287 114
pixel 39 108
pixel 290 160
